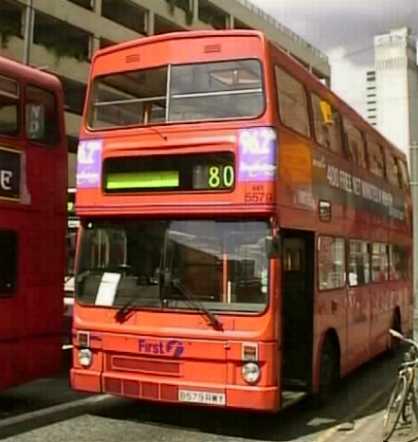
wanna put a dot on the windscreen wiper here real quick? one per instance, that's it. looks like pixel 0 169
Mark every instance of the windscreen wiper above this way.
pixel 122 313
pixel 187 294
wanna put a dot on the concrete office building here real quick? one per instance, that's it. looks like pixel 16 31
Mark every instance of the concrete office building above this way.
pixel 392 88
pixel 63 34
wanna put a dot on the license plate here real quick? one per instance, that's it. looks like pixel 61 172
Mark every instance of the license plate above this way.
pixel 202 397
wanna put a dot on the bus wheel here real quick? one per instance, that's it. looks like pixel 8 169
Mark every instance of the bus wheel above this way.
pixel 329 371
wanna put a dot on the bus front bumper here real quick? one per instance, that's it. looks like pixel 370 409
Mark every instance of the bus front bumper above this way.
pixel 165 390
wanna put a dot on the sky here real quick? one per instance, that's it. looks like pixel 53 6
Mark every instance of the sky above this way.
pixel 344 30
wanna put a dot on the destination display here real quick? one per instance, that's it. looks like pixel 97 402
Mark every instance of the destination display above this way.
pixel 211 171
pixel 9 174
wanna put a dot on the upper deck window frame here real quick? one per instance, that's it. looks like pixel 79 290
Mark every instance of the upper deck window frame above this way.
pixel 300 124
pixel 169 96
pixel 17 98
pixel 327 126
pixel 51 139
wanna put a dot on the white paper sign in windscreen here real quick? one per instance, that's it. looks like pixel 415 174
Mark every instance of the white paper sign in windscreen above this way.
pixel 107 289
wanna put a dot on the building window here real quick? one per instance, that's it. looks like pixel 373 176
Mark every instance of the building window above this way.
pixel 74 93
pixel 126 13
pixel 163 26
pixel 293 107
pixel 331 263
pixel 105 43
pixel 10 21
pixel 212 15
pixel 61 38
pixel 72 143
pixel 8 262
pixel 88 4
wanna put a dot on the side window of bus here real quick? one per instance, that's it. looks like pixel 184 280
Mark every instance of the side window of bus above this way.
pixel 376 159
pixel 327 124
pixel 358 263
pixel 41 116
pixel 331 262
pixel 9 106
pixel 398 263
pixel 354 144
pixel 8 262
pixel 392 171
pixel 380 262
pixel 293 107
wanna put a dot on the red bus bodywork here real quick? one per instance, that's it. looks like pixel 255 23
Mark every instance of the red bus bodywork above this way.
pixel 139 357
pixel 34 214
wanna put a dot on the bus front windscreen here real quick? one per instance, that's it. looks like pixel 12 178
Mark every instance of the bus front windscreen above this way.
pixel 173 93
pixel 174 264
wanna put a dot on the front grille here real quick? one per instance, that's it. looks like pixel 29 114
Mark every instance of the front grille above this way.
pixel 141 390
pixel 120 363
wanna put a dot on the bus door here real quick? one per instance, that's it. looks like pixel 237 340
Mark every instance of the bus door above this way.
pixel 297 300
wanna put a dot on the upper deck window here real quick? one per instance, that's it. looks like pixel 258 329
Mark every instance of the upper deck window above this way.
pixel 293 106
pixel 327 124
pixel 41 116
pixel 9 106
pixel 392 170
pixel 192 92
pixel 354 144
pixel 376 159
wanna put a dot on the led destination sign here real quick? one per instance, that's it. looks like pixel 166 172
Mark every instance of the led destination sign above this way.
pixel 9 174
pixel 213 171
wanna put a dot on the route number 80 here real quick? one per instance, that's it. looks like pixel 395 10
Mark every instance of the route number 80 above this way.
pixel 221 176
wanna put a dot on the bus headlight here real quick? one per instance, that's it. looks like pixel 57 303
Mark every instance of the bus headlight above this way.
pixel 251 372
pixel 85 357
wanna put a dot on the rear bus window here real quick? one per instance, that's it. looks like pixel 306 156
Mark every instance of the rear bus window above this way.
pixel 331 263
pixel 9 106
pixel 293 108
pixel 8 262
pixel 41 116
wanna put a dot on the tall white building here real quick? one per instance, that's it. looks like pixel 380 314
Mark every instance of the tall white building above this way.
pixel 392 92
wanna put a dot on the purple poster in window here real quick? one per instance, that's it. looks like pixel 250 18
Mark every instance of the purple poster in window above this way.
pixel 89 163
pixel 257 154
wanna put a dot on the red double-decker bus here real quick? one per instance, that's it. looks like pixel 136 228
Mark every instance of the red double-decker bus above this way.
pixel 245 235
pixel 33 177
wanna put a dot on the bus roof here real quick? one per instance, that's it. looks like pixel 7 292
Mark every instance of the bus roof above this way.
pixel 26 73
pixel 179 36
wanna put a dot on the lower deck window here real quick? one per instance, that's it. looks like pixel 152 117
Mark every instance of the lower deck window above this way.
pixel 331 262
pixel 8 261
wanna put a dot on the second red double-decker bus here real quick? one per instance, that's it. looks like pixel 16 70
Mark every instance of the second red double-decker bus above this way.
pixel 33 178
pixel 245 235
